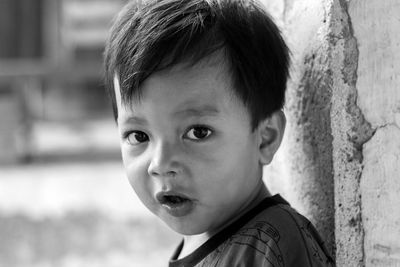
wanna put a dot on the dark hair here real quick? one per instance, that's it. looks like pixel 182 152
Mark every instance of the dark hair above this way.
pixel 158 34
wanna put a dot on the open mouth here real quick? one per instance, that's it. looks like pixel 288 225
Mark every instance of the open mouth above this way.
pixel 171 198
pixel 176 204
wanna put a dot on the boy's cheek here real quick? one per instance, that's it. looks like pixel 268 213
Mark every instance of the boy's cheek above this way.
pixel 131 153
pixel 125 156
pixel 138 179
pixel 144 190
pixel 133 165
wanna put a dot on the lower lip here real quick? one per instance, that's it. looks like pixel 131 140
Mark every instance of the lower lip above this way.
pixel 179 210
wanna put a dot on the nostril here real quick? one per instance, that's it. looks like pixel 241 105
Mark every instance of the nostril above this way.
pixel 159 172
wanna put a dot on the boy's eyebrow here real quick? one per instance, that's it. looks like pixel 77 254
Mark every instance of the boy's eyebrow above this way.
pixel 199 111
pixel 134 120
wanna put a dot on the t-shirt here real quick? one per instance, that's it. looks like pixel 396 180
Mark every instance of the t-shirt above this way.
pixel 270 234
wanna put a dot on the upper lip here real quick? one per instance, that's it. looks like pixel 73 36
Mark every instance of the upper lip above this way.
pixel 160 196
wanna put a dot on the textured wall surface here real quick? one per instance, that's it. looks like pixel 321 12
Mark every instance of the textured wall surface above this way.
pixel 376 27
pixel 308 106
pixel 302 169
pixel 350 131
pixel 339 163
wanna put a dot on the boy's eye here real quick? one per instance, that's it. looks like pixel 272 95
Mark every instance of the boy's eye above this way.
pixel 137 137
pixel 198 133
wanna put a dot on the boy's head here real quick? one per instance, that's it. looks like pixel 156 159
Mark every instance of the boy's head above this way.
pixel 197 88
pixel 155 35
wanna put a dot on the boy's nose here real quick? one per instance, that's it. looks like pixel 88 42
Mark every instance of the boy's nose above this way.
pixel 164 161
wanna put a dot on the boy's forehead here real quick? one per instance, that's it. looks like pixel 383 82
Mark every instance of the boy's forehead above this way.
pixel 216 61
pixel 205 73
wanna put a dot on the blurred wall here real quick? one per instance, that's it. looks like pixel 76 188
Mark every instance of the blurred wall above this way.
pixel 50 67
pixel 20 28
pixel 20 38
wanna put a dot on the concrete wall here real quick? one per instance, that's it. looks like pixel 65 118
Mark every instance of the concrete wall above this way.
pixel 376 27
pixel 340 160
pixel 306 156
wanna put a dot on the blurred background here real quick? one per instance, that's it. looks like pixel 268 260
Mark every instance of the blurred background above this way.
pixel 64 198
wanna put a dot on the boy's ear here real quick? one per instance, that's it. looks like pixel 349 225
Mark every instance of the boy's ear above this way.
pixel 271 132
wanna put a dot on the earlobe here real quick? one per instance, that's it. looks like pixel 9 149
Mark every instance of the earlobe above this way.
pixel 271 132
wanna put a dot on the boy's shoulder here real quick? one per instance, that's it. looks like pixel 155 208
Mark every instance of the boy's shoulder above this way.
pixel 278 236
pixel 275 236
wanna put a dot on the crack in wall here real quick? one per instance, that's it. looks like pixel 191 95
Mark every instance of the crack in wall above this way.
pixel 393 124
pixel 328 97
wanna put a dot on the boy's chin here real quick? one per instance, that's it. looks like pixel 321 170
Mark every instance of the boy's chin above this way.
pixel 184 227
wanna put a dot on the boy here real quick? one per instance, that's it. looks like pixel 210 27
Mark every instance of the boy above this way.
pixel 197 88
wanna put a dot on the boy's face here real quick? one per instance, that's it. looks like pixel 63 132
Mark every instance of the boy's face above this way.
pixel 188 148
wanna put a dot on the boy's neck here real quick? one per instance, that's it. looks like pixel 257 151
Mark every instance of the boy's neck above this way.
pixel 192 242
